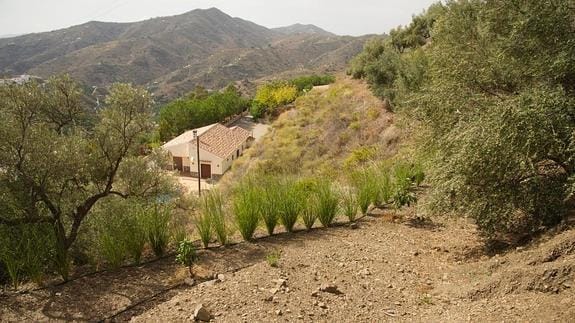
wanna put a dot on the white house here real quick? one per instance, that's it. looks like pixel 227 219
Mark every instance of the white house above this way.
pixel 219 146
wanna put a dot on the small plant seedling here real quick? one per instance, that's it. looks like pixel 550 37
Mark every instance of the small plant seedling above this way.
pixel 186 254
pixel 273 258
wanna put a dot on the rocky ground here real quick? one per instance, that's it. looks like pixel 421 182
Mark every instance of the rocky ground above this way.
pixel 384 270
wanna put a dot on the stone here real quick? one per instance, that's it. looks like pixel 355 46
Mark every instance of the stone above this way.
pixel 189 281
pixel 279 313
pixel 314 293
pixel 322 305
pixel 353 225
pixel 202 314
pixel 329 288
pixel 364 272
pixel 221 277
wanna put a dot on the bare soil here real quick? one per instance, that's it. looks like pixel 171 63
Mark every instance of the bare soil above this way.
pixel 387 269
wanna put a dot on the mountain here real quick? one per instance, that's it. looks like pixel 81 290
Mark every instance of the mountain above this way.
pixel 302 29
pixel 172 55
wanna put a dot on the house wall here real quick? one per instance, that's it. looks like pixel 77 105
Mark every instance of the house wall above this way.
pixel 219 165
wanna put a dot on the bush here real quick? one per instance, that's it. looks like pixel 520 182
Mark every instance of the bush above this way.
pixel 290 204
pixel 349 204
pixel 135 234
pixel 203 223
pixel 306 83
pixel 212 207
pixel 156 221
pixel 25 251
pixel 186 254
pixel 246 204
pixel 273 258
pixel 309 212
pixel 270 197
pixel 367 189
pixel 328 201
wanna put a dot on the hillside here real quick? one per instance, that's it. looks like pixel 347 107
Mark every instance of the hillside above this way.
pixel 326 130
pixel 174 54
pixel 389 265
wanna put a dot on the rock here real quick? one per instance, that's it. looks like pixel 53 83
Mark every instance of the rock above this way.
pixel 280 282
pixel 189 281
pixel 314 293
pixel 202 314
pixel 279 313
pixel 322 305
pixel 353 225
pixel 364 272
pixel 329 288
pixel 221 277
pixel 416 253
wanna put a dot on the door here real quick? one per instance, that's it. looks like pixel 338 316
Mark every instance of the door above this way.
pixel 178 164
pixel 206 170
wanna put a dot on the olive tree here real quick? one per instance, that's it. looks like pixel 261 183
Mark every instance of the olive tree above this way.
pixel 59 157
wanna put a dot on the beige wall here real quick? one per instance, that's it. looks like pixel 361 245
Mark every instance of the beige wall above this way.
pixel 219 165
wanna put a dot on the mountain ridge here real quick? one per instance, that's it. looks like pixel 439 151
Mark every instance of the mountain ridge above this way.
pixel 172 55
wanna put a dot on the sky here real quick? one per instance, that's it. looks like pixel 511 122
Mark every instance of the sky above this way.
pixel 343 17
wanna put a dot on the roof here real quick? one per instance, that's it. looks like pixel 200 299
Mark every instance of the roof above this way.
pixel 216 139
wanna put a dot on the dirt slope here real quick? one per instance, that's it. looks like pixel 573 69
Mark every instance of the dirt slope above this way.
pixel 390 271
pixel 386 270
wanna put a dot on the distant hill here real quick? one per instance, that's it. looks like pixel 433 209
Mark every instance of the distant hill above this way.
pixel 172 55
pixel 302 29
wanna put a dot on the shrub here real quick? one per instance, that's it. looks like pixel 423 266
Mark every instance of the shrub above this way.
pixel 367 189
pixel 186 254
pixel 273 258
pixel 327 202
pixel 203 224
pixel 157 228
pixel 135 234
pixel 247 209
pixel 270 197
pixel 290 204
pixel 349 204
pixel 212 207
pixel 310 212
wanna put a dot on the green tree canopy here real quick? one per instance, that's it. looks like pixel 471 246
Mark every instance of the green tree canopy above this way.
pixel 54 167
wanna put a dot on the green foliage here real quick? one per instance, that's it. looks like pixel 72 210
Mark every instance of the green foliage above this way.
pixel 359 156
pixel 212 208
pixel 271 96
pixel 60 158
pixel 309 212
pixel 290 204
pixel 26 251
pixel 198 110
pixel 270 199
pixel 349 204
pixel 327 203
pixel 157 226
pixel 306 83
pixel 493 97
pixel 203 223
pixel 246 205
pixel 186 253
pixel 273 258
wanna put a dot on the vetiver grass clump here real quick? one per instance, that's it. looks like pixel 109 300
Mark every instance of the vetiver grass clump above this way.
pixel 270 197
pixel 327 203
pixel 349 204
pixel 212 208
pixel 290 204
pixel 309 212
pixel 203 224
pixel 246 205
pixel 157 227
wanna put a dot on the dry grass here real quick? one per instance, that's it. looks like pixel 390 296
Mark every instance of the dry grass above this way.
pixel 325 128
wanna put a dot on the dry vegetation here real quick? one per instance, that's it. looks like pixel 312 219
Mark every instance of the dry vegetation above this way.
pixel 330 130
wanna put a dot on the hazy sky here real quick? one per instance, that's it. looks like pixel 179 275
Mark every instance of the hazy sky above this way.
pixel 351 17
